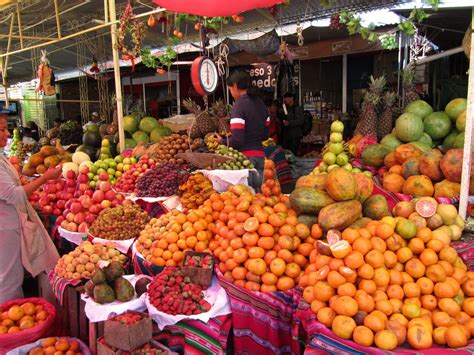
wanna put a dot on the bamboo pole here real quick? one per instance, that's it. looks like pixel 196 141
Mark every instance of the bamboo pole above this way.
pixel 118 84
pixel 20 30
pixel 467 156
pixel 73 35
pixel 7 58
pixel 56 13
pixel 21 37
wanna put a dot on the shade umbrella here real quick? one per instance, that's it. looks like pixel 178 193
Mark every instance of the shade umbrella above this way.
pixel 214 8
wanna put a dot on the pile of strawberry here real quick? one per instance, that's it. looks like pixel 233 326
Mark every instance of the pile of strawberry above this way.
pixel 127 318
pixel 173 293
pixel 205 262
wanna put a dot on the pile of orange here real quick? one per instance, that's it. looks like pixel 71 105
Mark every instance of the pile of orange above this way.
pixel 21 317
pixel 164 240
pixel 385 289
pixel 57 346
pixel 259 243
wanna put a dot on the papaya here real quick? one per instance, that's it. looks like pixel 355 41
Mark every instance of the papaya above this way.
pixel 48 150
pixel 52 161
pixel 28 170
pixel 364 186
pixel 308 220
pixel 418 185
pixel 405 152
pixel 361 223
pixel 429 165
pixel 451 165
pixel 447 188
pixel 374 155
pixel 340 184
pixel 390 160
pixel 393 182
pixel 410 167
pixel 339 215
pixel 41 169
pixel 35 160
pixel 309 201
pixel 376 207
pixel 313 181
pixel 396 169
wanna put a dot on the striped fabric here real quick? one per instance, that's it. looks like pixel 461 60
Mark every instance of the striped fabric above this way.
pixel 237 123
pixel 59 285
pixel 267 122
pixel 262 323
pixel 322 340
pixel 141 266
pixel 154 209
pixel 282 167
pixel 196 337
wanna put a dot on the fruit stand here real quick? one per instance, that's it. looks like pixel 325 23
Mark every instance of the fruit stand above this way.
pixel 169 250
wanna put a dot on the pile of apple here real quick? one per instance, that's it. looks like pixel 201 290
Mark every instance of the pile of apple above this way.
pixel 126 183
pixel 81 211
pixel 114 168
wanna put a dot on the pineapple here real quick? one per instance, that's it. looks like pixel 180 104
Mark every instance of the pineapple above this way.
pixel 220 111
pixel 386 119
pixel 410 94
pixel 203 123
pixel 368 118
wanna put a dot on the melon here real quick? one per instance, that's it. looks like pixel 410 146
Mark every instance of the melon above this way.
pixel 448 142
pixel 69 166
pixel 141 137
pixel 130 143
pixel 130 124
pixel 408 127
pixel 148 124
pixel 437 125
pixel 79 157
pixel 391 141
pixel 459 141
pixel 425 139
pixel 92 138
pixel 418 107
pixel 421 146
pixel 160 132
pixel 455 107
pixel 461 122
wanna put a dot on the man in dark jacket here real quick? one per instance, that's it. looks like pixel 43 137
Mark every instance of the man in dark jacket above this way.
pixel 293 121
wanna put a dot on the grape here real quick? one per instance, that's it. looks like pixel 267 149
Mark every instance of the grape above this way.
pixel 334 22
pixel 161 180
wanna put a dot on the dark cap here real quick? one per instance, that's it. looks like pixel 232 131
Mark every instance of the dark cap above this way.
pixel 289 94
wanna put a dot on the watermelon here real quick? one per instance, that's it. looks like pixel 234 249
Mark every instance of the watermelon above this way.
pixel 455 107
pixel 141 137
pixel 459 141
pixel 391 141
pixel 160 132
pixel 92 138
pixel 418 107
pixel 425 139
pixel 90 151
pixel 421 146
pixel 437 125
pixel 130 124
pixel 461 122
pixel 408 127
pixel 448 142
pixel 148 124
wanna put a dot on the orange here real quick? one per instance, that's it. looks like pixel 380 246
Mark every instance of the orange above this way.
pixel 396 304
pixel 366 271
pixel 256 252
pixel 316 231
pixel 436 273
pixel 347 289
pixel 396 277
pixel 335 279
pixel 374 258
pixel 416 245
pixel 15 313
pixel 456 336
pixel 62 344
pixel 239 273
pixel 390 258
pixel 354 259
pixel 362 245
pixel 468 306
pixel 404 254
pixel 424 233
pixel 286 255
pixel 300 260
pixel 384 230
pixel 368 286
pixel 448 254
pixel 429 257
pixel 316 306
pixel 441 319
pixel 462 318
pixel 28 308
pixel 335 264
pixel 415 268
pixel 400 318
pixel 459 275
pixel 266 230
pixel 252 286
pixel 343 326
pixel 381 277
pixel 426 285
pixel 384 306
pixel 386 340
pixel 250 239
pixel 435 245
pixel 302 231
pixel 251 224
pixel 345 306
pixel 468 288
pixel 411 310
pixel 374 321
pixel 308 294
pixel 350 234
pixel 439 335
pixel 287 229
pixel 362 335
pixel 365 302
pixel 448 268
pixel 323 291
pixel 411 289
pixel 380 295
pixel 449 306
pixel 326 316
pixel 46 342
pixel 285 283
pixel 257 266
pixel 292 270
pixel 395 291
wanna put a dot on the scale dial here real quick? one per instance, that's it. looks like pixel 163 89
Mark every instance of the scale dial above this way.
pixel 204 75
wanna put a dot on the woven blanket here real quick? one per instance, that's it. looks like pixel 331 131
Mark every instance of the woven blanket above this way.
pixel 154 209
pixel 141 266
pixel 283 170
pixel 196 337
pixel 262 323
pixel 59 285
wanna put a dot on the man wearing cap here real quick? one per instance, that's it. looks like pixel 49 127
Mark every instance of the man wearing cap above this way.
pixel 293 120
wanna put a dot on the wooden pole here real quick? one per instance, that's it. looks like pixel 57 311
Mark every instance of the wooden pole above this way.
pixel 56 13
pixel 7 58
pixel 62 100
pixel 73 35
pixel 118 83
pixel 469 131
pixel 20 30
pixel 21 37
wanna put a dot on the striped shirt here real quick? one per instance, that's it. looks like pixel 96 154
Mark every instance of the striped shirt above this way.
pixel 249 125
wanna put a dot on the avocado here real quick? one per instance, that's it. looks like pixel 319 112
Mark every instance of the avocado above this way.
pixel 98 277
pixel 123 290
pixel 103 293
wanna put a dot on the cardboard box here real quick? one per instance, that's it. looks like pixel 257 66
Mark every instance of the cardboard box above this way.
pixel 158 349
pixel 128 337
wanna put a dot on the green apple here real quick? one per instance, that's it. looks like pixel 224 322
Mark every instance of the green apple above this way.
pixel 133 160
pixel 331 167
pixel 96 178
pixel 356 170
pixel 127 161
pixel 93 169
pixel 90 176
pixel 112 164
pixel 118 174
pixel 100 171
pixel 111 171
pixel 348 167
pixel 315 171
pixel 323 167
pixel 335 137
pixel 329 158
pixel 336 148
pixel 368 173
pixel 342 159
pixel 120 167
pixel 105 143
pixel 92 183
pixel 118 159
pixel 337 126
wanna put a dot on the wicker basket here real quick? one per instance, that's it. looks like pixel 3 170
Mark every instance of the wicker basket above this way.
pixel 466 41
pixel 198 275
pixel 178 123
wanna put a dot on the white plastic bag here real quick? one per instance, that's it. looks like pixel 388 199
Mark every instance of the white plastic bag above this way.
pixel 223 179
pixel 73 237
pixel 120 245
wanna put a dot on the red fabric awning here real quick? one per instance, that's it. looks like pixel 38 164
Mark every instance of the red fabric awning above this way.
pixel 214 8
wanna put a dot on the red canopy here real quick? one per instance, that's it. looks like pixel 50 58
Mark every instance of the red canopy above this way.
pixel 214 8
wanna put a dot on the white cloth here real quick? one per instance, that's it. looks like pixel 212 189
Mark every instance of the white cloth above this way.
pixel 11 195
pixel 11 268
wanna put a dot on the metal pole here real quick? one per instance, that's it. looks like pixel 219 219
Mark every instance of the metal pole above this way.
pixel 467 156
pixel 344 83
pixel 118 82
pixel 56 13
pixel 20 30
pixel 178 94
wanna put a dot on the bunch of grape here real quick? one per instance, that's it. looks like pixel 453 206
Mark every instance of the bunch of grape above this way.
pixel 334 23
pixel 389 41
pixel 161 180
pixel 120 223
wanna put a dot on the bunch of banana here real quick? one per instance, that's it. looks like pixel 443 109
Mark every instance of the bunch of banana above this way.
pixel 268 143
pixel 212 141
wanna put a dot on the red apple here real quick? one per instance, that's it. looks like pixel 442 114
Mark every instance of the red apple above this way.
pixel 44 200
pixel 83 187
pixel 70 174
pixel 61 204
pixel 57 212
pixel 104 177
pixel 64 224
pixel 86 202
pixel 98 196
pixel 88 192
pixel 52 197
pixel 71 190
pixel 90 218
pixel 50 188
pixel 83 227
pixel 70 217
pixel 76 207
pixel 47 209
pixel 110 195
pixel 70 183
pixel 119 197
pixel 83 178
pixel 71 226
pixel 95 209
pixel 68 196
pixel 84 169
pixel 105 186
pixel 79 218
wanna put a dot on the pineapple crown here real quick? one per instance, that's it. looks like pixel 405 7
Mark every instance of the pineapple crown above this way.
pixel 192 106
pixel 377 85
pixel 372 98
pixel 408 75
pixel 389 98
pixel 220 108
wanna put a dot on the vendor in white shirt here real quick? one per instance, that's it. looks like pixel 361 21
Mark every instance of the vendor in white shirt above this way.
pixel 27 138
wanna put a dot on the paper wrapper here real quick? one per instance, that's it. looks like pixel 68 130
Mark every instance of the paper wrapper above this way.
pixel 73 237
pixel 120 245
pixel 25 349
pixel 223 179
pixel 169 202
pixel 96 312
pixel 215 295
